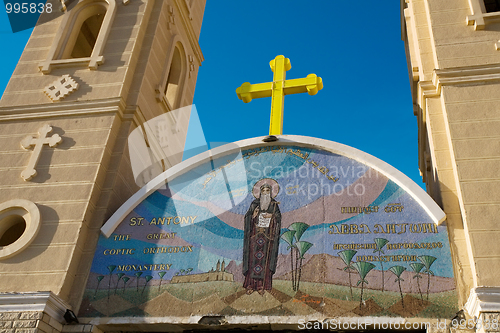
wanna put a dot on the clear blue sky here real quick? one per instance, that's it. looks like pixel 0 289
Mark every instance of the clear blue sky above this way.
pixel 355 47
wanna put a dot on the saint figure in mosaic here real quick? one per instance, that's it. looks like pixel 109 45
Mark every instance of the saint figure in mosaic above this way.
pixel 261 237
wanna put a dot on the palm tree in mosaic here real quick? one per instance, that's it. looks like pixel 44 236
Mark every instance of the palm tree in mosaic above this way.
pixel 288 236
pixel 346 257
pixel 363 269
pixel 148 278
pixel 111 268
pixel 137 275
pixel 302 248
pixel 427 261
pixel 189 270
pixel 99 279
pixel 292 237
pixel 161 274
pixel 398 270
pixel 417 267
pixel 125 280
pixel 120 275
pixel 380 243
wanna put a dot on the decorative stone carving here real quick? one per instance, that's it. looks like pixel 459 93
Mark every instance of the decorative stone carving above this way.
pixel 42 139
pixel 61 88
pixel 191 64
pixel 171 17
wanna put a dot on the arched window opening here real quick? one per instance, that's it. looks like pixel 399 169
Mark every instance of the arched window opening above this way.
pixel 174 78
pixel 82 35
pixel 87 26
pixel 87 36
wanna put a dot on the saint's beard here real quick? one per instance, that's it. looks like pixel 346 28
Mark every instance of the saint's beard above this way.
pixel 265 201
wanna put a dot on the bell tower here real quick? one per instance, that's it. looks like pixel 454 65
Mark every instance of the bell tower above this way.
pixel 453 52
pixel 92 71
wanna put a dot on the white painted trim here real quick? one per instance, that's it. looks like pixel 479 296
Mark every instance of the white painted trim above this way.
pixel 44 301
pixel 483 299
pixel 434 211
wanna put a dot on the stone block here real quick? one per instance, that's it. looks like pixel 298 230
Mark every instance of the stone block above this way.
pixel 481 192
pixel 478 169
pixel 473 110
pixel 470 93
pixel 31 315
pixel 475 129
pixel 46 318
pixel 54 323
pixel 26 330
pixel 469 61
pixel 62 233
pixel 488 270
pixel 484 243
pixel 9 315
pixel 443 160
pixel 53 258
pixel 447 180
pixel 59 125
pixel 436 122
pixel 483 216
pixel 54 192
pixel 24 323
pixel 45 327
pixel 36 97
pixel 29 282
pixel 5 324
pixel 62 212
pixel 9 330
pixel 469 149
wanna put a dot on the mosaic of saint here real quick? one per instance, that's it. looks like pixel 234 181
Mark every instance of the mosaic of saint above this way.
pixel 275 230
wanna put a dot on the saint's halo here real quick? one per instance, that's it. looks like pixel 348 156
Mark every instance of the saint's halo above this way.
pixel 275 188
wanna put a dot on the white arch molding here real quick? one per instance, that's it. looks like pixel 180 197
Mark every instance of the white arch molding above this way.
pixel 426 202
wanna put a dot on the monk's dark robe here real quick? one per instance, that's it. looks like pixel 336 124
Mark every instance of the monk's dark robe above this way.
pixel 260 247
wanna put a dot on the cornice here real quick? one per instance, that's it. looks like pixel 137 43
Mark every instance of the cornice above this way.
pixel 483 299
pixel 44 301
pixel 112 105
pixel 461 75
pixel 458 76
pixel 188 28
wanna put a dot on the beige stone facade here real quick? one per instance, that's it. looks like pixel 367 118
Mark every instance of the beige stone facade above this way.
pixel 142 50
pixel 453 60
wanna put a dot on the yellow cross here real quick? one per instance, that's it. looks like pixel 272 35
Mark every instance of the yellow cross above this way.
pixel 278 89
